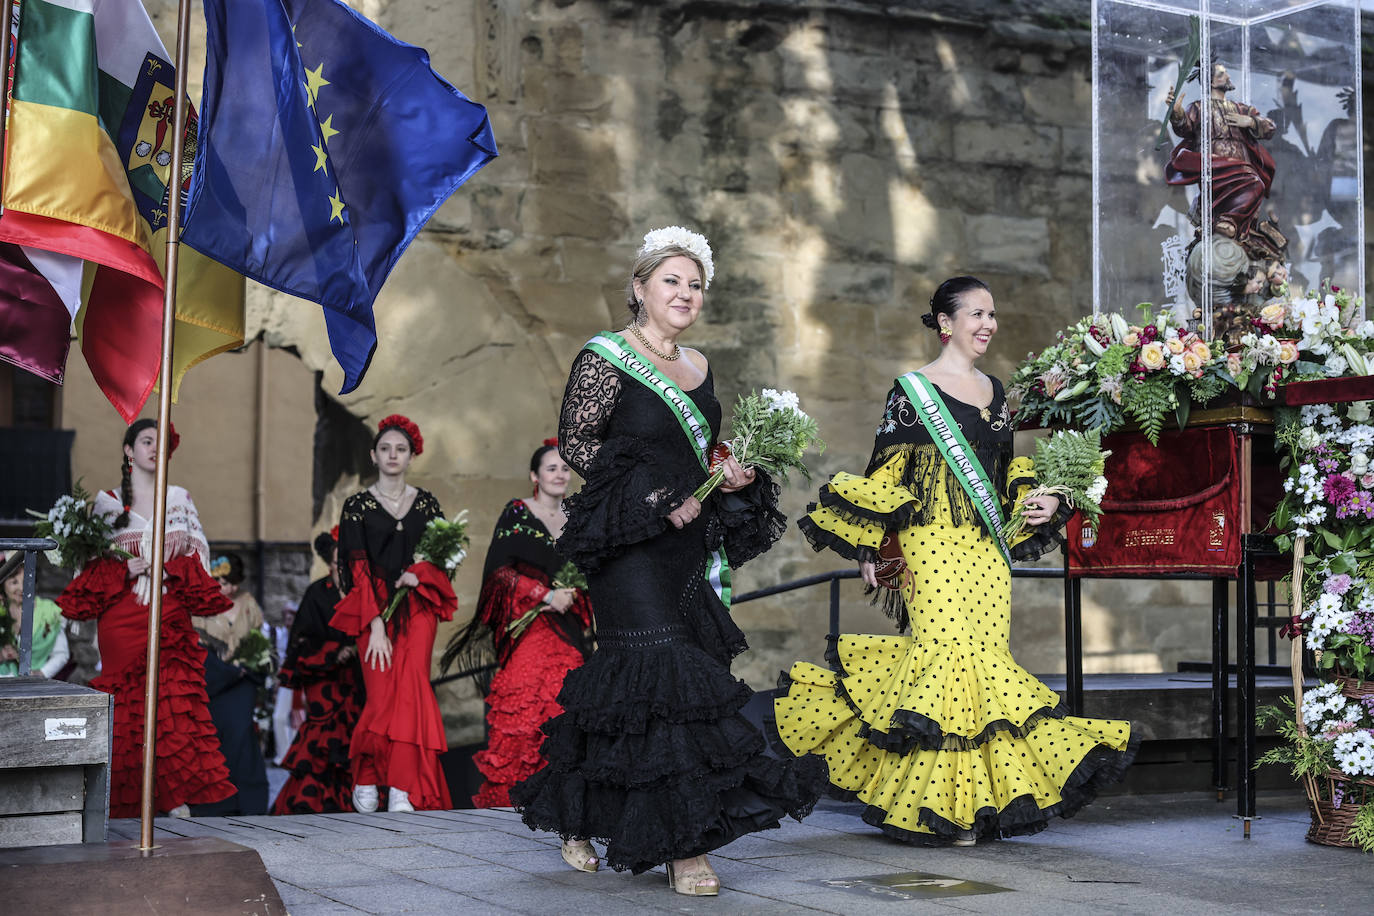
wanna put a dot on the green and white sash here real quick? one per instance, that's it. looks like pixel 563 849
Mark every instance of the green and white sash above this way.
pixel 617 351
pixel 968 470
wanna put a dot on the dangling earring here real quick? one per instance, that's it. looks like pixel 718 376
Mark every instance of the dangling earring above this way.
pixel 642 315
pixel 535 492
pixel 945 335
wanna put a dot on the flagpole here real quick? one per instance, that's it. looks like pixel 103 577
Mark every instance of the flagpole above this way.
pixel 6 15
pixel 164 418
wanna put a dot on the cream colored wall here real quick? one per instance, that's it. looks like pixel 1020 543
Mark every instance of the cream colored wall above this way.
pixel 216 418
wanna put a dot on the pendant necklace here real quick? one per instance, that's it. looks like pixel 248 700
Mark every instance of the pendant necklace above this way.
pixel 392 506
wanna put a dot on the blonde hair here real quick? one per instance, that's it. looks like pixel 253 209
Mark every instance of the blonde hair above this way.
pixel 646 264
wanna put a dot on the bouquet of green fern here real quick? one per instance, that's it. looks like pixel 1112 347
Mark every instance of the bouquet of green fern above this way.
pixel 445 544
pixel 771 432
pixel 568 576
pixel 1068 465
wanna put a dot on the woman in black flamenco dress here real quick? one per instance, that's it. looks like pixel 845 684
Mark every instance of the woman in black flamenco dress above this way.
pixel 652 755
pixel 322 667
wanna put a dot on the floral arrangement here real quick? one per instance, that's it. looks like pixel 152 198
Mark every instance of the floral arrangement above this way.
pixel 1301 338
pixel 687 240
pixel 568 576
pixel 1069 465
pixel 254 655
pixel 771 432
pixel 81 533
pixel 445 544
pixel 1102 373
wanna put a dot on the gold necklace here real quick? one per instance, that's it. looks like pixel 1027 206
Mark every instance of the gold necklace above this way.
pixel 677 351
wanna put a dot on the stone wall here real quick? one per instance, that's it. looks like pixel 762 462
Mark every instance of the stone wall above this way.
pixel 843 158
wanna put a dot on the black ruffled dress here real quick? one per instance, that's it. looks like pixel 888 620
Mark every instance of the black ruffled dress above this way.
pixel 652 755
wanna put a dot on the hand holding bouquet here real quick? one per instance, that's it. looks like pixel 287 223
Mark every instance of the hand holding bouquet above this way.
pixel 81 533
pixel 445 544
pixel 1068 465
pixel 568 576
pixel 770 432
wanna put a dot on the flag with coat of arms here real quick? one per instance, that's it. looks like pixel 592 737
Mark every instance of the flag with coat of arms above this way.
pixel 325 144
pixel 86 175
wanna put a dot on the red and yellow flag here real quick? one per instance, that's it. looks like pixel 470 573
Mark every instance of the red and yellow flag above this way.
pixel 86 174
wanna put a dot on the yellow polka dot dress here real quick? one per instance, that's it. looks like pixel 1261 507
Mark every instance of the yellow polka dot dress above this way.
pixel 939 731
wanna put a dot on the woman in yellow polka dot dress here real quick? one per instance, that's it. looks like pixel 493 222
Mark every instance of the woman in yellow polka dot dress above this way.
pixel 938 730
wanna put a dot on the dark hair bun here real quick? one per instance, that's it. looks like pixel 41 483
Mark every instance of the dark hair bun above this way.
pixel 929 321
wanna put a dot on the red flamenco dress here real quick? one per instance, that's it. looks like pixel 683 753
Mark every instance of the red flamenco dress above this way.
pixel 520 569
pixel 322 665
pixel 400 734
pixel 189 768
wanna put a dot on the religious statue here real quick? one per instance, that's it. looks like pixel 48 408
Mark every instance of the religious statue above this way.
pixel 1248 252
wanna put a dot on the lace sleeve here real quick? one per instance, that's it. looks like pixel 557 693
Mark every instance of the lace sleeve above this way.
pixel 592 392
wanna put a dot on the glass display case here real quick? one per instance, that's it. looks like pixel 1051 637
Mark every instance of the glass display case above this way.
pixel 1251 179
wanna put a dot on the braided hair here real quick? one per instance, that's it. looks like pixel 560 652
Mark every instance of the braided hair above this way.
pixel 126 483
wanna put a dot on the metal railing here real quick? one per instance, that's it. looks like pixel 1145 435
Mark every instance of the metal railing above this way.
pixel 24 551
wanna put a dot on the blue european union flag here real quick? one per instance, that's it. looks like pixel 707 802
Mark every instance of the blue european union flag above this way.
pixel 325 144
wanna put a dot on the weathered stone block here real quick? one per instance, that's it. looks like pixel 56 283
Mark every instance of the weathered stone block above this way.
pixel 1009 244
pixel 1007 144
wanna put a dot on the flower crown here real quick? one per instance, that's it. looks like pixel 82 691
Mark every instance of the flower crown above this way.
pixel 687 240
pixel 221 567
pixel 407 426
pixel 552 441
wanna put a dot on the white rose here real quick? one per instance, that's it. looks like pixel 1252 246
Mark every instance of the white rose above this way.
pixel 1358 412
pixel 1359 463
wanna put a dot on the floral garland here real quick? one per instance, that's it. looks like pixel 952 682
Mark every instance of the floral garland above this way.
pixel 407 426
pixel 687 240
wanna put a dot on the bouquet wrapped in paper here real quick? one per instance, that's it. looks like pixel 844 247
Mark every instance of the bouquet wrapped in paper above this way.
pixel 444 544
pixel 568 576
pixel 771 432
pixel 81 533
pixel 1068 465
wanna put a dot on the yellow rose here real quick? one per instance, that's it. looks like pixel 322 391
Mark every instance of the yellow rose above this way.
pixel 1175 345
pixel 1204 352
pixel 1288 352
pixel 1191 361
pixel 1273 314
pixel 1152 355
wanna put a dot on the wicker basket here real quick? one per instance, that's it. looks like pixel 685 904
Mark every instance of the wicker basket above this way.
pixel 1330 825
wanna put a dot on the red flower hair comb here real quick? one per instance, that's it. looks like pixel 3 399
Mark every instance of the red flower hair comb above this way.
pixel 407 426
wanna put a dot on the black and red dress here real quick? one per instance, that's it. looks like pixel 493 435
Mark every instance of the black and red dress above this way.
pixel 400 733
pixel 321 664
pixel 520 569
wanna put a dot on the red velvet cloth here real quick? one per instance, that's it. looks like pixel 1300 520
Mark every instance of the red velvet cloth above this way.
pixel 1174 508
pixel 190 768
pixel 400 734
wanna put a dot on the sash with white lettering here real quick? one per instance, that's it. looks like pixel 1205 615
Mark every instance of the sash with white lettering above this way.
pixel 617 351
pixel 968 470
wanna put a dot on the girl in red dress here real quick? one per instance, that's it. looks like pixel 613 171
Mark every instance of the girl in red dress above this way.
pixel 519 578
pixel 400 735
pixel 189 767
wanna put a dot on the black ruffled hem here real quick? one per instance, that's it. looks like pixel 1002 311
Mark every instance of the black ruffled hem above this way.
pixel 1101 767
pixel 820 539
pixel 915 732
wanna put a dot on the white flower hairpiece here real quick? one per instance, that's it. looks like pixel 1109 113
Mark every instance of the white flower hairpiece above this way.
pixel 686 239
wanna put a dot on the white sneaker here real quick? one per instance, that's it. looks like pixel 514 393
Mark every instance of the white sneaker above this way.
pixel 398 800
pixel 182 810
pixel 365 799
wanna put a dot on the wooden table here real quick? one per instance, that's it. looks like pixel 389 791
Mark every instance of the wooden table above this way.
pixel 54 762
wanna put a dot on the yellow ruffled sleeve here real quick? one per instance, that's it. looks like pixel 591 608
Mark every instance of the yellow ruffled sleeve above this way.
pixel 854 512
pixel 1039 540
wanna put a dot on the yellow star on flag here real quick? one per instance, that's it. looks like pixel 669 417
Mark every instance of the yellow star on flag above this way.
pixel 314 82
pixel 327 128
pixel 321 157
pixel 336 207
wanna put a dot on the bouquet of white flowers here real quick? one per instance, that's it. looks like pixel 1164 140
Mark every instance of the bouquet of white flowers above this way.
pixel 1068 465
pixel 445 544
pixel 81 533
pixel 771 432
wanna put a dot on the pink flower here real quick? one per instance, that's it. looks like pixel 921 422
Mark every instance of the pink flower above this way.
pixel 1337 585
pixel 1338 488
pixel 1367 481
